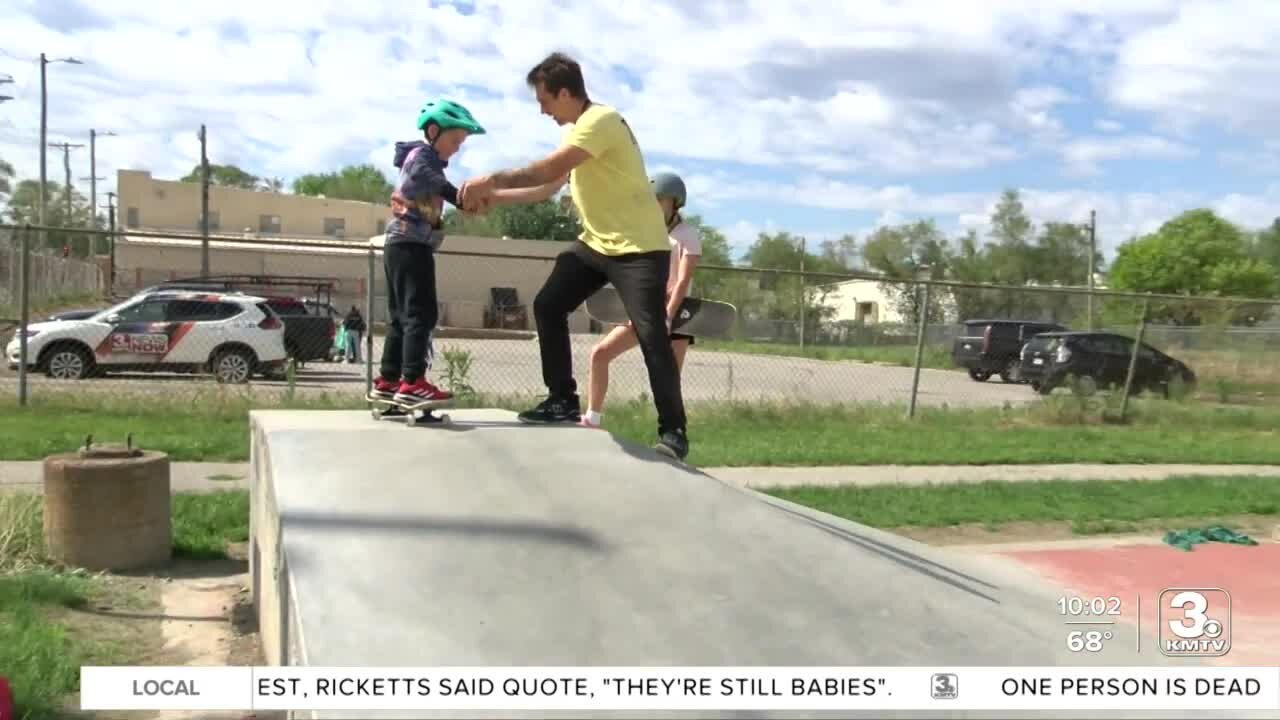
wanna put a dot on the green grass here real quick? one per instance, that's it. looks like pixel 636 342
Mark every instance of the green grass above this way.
pixel 1091 506
pixel 39 652
pixel 934 356
pixel 204 524
pixel 1060 428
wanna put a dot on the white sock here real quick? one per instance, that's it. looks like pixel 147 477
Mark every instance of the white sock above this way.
pixel 593 417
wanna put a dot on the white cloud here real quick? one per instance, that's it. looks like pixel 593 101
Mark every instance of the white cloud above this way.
pixel 864 102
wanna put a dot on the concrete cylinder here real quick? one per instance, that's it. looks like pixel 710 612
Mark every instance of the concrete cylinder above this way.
pixel 108 508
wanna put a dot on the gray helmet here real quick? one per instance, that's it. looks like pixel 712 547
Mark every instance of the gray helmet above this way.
pixel 669 185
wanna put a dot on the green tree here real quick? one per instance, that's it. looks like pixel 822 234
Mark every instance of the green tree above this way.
pixel 6 178
pixel 364 183
pixel 225 176
pixel 24 207
pixel 1195 253
pixel 903 252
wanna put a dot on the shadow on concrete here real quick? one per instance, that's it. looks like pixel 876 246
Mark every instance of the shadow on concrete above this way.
pixel 647 453
pixel 902 557
pixel 426 524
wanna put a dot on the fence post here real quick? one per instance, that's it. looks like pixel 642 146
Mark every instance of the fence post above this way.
pixel 368 335
pixel 920 330
pixel 24 316
pixel 1133 358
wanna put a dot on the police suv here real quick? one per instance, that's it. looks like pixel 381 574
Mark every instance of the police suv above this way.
pixel 230 335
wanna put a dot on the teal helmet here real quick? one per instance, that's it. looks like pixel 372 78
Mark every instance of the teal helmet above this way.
pixel 669 185
pixel 447 115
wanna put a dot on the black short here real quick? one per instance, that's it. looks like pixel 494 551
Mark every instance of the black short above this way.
pixel 682 336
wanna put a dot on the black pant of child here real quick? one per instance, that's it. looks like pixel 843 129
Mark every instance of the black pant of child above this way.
pixel 413 310
pixel 641 282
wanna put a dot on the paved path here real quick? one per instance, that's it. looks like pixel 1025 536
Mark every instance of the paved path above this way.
pixel 205 477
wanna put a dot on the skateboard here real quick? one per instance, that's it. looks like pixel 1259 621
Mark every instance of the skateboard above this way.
pixel 697 316
pixel 415 414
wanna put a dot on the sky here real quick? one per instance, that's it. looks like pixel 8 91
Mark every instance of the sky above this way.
pixel 811 117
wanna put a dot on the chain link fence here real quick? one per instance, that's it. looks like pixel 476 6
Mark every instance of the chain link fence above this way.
pixel 283 318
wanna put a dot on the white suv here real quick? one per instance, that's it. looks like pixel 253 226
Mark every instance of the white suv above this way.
pixel 231 335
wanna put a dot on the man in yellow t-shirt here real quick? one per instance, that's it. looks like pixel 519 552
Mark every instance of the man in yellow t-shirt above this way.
pixel 623 242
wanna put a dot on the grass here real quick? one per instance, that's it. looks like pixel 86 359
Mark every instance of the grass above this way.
pixel 1091 506
pixel 1060 428
pixel 41 650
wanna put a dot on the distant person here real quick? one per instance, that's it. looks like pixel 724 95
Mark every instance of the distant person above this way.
pixel 354 325
pixel 686 250
pixel 623 242
pixel 415 232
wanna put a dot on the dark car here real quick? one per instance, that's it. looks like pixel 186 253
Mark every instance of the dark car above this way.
pixel 1100 358
pixel 308 328
pixel 988 347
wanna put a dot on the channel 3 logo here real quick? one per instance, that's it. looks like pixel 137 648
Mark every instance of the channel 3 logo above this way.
pixel 1195 622
pixel 946 686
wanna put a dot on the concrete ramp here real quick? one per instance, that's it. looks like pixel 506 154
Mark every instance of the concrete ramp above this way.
pixel 495 543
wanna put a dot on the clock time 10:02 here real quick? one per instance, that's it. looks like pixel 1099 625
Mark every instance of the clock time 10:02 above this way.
pixel 1095 606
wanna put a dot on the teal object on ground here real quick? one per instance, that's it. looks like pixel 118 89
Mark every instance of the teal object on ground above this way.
pixel 1185 539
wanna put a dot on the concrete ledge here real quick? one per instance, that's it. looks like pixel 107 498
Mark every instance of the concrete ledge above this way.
pixel 490 542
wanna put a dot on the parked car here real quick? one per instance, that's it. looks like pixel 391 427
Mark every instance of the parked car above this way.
pixel 1100 359
pixel 988 347
pixel 231 335
pixel 309 330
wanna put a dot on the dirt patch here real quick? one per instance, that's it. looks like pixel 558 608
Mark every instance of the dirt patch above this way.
pixel 1258 527
pixel 194 612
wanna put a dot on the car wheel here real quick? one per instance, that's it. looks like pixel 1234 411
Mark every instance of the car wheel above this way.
pixel 69 363
pixel 232 366
pixel 979 375
pixel 1012 372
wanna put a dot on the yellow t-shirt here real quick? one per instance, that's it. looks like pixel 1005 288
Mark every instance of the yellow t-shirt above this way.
pixel 616 205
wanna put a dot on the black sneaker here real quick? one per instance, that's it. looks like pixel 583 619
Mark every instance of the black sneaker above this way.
pixel 673 444
pixel 553 410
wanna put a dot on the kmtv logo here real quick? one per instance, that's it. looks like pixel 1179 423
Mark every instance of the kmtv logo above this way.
pixel 1195 622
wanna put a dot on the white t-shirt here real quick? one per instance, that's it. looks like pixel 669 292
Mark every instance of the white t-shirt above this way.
pixel 685 240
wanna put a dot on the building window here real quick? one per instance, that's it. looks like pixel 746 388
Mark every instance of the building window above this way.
pixel 131 217
pixel 335 226
pixel 269 223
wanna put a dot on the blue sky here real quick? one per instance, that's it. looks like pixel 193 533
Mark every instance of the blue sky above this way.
pixel 802 116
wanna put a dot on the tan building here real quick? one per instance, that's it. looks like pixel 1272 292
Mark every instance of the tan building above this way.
pixel 468 270
pixel 146 202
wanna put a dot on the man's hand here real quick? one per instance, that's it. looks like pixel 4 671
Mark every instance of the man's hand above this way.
pixel 476 194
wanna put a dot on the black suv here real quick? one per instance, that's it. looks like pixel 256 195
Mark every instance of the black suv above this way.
pixel 1048 360
pixel 988 347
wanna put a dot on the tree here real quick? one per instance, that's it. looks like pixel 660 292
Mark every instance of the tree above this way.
pixel 546 220
pixel 226 176
pixel 24 207
pixel 364 183
pixel 1196 253
pixel 903 252
pixel 6 177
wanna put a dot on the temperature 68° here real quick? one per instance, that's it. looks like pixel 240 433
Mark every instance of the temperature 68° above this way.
pixel 1087 640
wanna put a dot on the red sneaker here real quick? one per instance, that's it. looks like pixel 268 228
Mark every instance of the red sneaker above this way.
pixel 421 391
pixel 383 389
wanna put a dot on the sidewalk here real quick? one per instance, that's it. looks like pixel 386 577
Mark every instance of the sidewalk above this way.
pixel 28 476
pixel 16 476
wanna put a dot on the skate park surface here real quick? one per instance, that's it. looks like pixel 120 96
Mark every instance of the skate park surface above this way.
pixel 487 542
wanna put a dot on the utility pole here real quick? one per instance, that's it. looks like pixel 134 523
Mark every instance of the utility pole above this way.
pixel 204 206
pixel 66 165
pixel 93 203
pixel 1093 251
pixel 44 135
pixel 111 243
pixel 93 178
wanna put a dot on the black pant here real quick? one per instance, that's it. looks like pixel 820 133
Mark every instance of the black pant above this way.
pixel 412 309
pixel 641 281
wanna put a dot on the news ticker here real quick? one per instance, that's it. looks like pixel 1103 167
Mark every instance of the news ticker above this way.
pixel 679 688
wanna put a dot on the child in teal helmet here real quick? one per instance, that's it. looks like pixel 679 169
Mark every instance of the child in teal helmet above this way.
pixel 414 233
